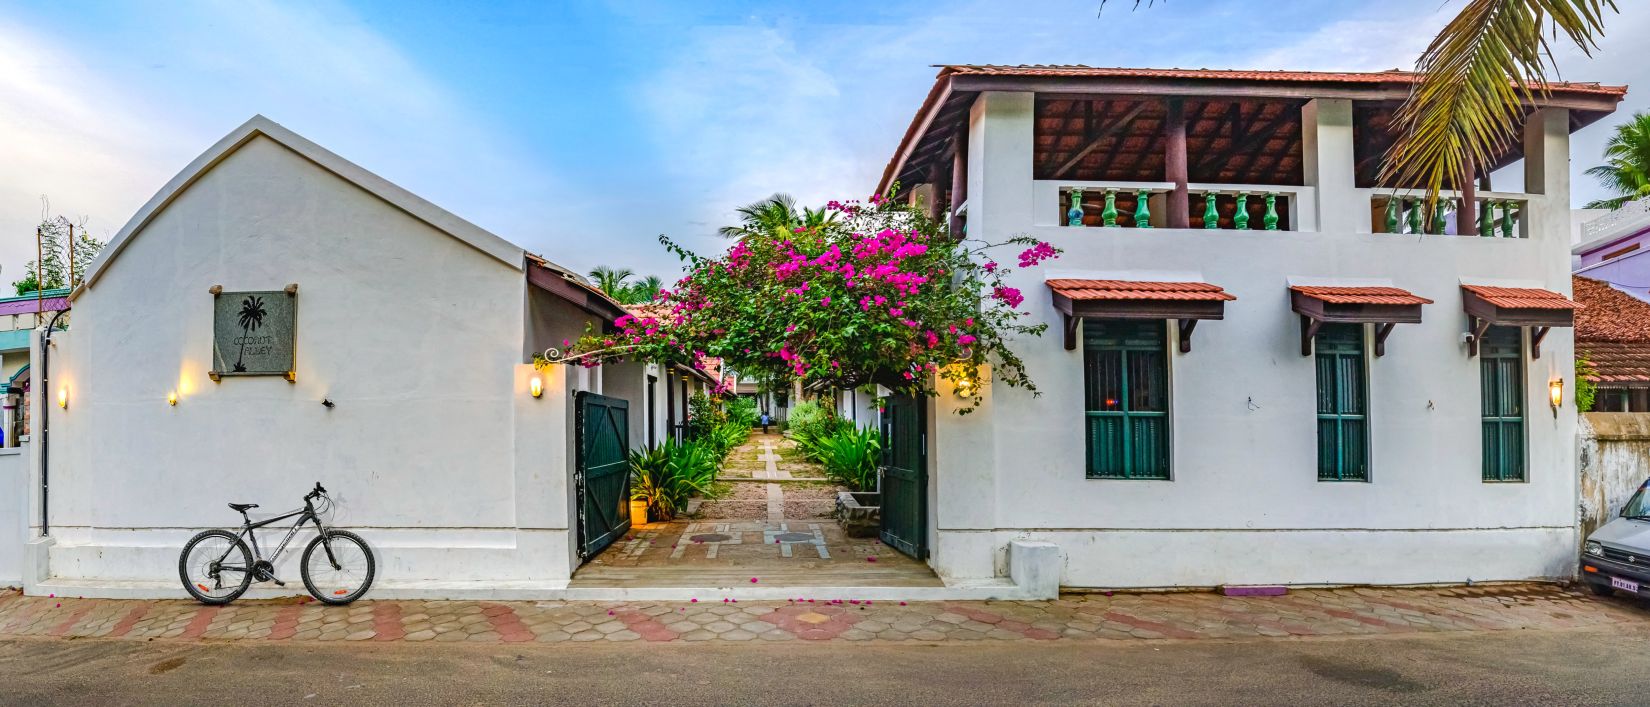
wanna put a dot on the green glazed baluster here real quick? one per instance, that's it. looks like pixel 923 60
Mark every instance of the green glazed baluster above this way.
pixel 1240 218
pixel 1438 222
pixel 1486 220
pixel 1507 219
pixel 1392 216
pixel 1414 216
pixel 1142 214
pixel 1211 218
pixel 1074 215
pixel 1271 217
pixel 1108 216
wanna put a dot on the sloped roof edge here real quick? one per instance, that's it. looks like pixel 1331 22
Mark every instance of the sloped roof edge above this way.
pixel 413 205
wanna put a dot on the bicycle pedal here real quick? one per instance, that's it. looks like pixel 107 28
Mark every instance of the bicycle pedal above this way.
pixel 277 582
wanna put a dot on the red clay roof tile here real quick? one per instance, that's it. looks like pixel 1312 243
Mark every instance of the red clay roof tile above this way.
pixel 1521 297
pixel 1610 315
pixel 1360 295
pixel 1088 290
pixel 1362 77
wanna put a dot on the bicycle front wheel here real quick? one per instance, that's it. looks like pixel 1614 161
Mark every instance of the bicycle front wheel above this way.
pixel 338 567
pixel 216 567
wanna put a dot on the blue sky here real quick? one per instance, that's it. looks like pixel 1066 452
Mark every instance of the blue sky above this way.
pixel 582 130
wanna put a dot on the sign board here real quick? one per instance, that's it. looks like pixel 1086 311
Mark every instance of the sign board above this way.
pixel 252 333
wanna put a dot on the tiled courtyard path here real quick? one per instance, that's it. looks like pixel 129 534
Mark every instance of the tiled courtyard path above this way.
pixel 1337 612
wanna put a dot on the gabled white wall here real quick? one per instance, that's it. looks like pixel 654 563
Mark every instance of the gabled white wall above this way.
pixel 434 449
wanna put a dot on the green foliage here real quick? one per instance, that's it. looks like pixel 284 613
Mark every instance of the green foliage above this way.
pixel 616 283
pixel 54 247
pixel 1626 168
pixel 775 216
pixel 876 293
pixel 850 456
pixel 704 415
pixel 670 473
pixel 1586 385
pixel 742 411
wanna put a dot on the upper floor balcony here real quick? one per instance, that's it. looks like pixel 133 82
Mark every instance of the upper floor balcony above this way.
pixel 1217 150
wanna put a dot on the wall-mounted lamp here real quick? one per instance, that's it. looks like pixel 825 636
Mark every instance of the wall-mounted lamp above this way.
pixel 1555 393
pixel 172 398
pixel 63 398
pixel 967 381
pixel 536 387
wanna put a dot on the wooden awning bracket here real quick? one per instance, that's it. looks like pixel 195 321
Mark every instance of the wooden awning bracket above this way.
pixel 1382 331
pixel 1476 334
pixel 1071 330
pixel 1186 327
pixel 1536 335
pixel 1309 331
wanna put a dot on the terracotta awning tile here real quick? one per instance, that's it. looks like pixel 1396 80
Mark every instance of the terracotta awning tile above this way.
pixel 1101 290
pixel 1361 295
pixel 1620 363
pixel 1521 297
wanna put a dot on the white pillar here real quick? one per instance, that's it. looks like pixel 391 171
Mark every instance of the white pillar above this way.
pixel 1328 163
pixel 1547 172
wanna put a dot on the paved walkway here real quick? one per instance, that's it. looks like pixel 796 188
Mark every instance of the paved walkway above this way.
pixel 1190 616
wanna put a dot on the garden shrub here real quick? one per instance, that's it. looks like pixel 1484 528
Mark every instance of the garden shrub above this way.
pixel 851 456
pixel 670 473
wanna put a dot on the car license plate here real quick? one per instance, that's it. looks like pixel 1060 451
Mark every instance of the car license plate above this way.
pixel 1624 584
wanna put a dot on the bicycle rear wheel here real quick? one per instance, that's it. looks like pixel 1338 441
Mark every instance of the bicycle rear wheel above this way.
pixel 342 575
pixel 216 567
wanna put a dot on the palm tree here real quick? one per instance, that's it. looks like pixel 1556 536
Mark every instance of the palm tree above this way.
pixel 1626 168
pixel 611 280
pixel 252 317
pixel 643 290
pixel 1476 77
pixel 776 215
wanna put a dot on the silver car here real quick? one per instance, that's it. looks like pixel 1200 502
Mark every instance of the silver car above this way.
pixel 1617 556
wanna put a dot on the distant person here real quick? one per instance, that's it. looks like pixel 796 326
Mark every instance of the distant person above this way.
pixel 765 422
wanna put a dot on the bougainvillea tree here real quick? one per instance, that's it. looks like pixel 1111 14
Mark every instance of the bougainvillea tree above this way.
pixel 882 295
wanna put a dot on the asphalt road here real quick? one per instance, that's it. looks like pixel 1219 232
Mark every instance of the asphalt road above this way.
pixel 1580 667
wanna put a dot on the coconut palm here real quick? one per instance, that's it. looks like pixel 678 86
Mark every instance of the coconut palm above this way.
pixel 252 317
pixel 1477 75
pixel 1626 168
pixel 643 290
pixel 775 215
pixel 611 280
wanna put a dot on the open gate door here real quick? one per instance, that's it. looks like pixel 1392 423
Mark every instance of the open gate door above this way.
pixel 905 477
pixel 601 471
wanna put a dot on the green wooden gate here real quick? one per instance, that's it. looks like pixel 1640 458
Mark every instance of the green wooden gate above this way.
pixel 601 471
pixel 905 477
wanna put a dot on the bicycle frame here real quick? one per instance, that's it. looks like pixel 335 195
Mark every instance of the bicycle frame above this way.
pixel 304 515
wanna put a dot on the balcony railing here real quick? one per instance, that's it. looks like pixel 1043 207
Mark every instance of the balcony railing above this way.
pixel 1238 207
pixel 1499 214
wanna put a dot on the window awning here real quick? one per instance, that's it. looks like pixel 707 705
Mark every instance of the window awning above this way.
pixel 1186 302
pixel 1384 307
pixel 1488 306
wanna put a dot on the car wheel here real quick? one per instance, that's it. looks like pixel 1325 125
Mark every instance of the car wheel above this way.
pixel 1602 590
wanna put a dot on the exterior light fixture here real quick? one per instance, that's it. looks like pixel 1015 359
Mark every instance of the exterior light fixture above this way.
pixel 172 398
pixel 63 398
pixel 968 382
pixel 1555 393
pixel 536 387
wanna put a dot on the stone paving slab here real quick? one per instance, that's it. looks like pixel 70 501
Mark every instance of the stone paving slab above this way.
pixel 1089 617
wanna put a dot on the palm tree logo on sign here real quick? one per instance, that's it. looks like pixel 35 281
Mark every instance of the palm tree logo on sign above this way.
pixel 252 317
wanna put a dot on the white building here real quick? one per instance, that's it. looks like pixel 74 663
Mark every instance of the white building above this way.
pixel 1328 425
pixel 409 392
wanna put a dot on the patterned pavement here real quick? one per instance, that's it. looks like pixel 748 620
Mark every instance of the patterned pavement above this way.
pixel 1191 616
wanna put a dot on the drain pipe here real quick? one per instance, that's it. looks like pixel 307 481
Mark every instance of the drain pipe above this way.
pixel 45 410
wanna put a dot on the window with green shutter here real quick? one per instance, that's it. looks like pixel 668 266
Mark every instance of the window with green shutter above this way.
pixel 1343 403
pixel 1501 381
pixel 1126 379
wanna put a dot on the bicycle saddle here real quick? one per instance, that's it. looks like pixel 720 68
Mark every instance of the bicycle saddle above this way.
pixel 242 507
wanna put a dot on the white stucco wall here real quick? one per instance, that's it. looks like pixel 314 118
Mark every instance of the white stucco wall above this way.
pixel 435 451
pixel 1245 505
pixel 14 503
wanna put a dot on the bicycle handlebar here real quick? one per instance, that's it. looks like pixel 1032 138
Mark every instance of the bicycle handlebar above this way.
pixel 319 491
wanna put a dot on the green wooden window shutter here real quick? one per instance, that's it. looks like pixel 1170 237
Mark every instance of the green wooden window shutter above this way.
pixel 1126 380
pixel 1343 404
pixel 1501 362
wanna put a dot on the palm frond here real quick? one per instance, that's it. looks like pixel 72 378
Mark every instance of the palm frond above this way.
pixel 1478 75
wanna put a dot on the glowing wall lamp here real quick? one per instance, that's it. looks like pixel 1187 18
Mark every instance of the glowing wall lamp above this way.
pixel 172 398
pixel 967 381
pixel 63 398
pixel 1555 393
pixel 536 387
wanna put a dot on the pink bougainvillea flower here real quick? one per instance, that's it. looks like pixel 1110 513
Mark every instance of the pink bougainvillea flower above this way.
pixel 693 601
pixel 870 559
pixel 753 580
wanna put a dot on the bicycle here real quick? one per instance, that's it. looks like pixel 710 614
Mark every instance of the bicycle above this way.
pixel 217 567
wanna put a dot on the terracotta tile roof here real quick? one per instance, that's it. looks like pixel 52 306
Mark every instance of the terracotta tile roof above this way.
pixel 1088 290
pixel 1610 315
pixel 1362 77
pixel 1361 295
pixel 1521 297
pixel 1617 362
